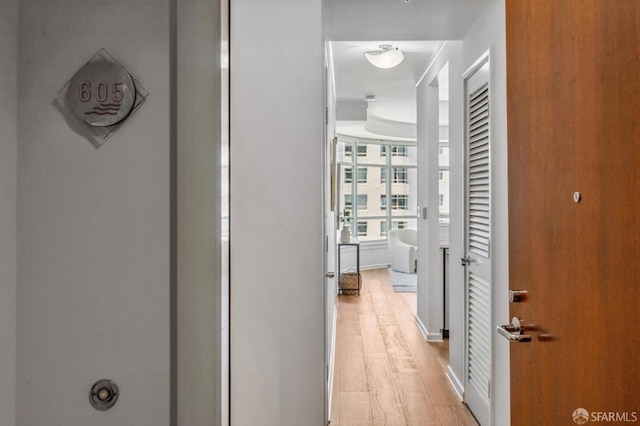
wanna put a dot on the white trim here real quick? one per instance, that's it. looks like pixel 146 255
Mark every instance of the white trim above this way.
pixel 329 59
pixel 483 59
pixel 455 383
pixel 422 328
pixel 373 139
pixel 434 337
pixel 429 337
pixel 424 73
pixel 332 361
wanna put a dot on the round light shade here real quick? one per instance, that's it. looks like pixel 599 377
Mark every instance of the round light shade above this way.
pixel 387 57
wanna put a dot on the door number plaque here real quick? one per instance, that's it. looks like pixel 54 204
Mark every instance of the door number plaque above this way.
pixel 102 95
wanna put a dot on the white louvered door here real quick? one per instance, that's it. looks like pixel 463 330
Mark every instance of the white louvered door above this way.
pixel 478 241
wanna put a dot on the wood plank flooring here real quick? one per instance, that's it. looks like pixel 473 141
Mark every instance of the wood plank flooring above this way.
pixel 385 373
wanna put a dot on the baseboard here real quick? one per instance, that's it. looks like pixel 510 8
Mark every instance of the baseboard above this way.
pixel 455 383
pixel 429 337
pixel 421 327
pixel 435 337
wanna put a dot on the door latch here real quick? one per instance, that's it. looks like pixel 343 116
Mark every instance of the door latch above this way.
pixel 513 331
pixel 465 261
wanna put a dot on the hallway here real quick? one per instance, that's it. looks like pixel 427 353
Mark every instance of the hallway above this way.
pixel 385 372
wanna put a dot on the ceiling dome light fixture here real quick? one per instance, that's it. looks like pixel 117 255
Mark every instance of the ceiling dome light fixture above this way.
pixel 387 57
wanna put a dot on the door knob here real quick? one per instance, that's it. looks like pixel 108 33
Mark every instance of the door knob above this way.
pixel 464 261
pixel 330 275
pixel 513 331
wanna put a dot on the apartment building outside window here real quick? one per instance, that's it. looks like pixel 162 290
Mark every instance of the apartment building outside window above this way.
pixel 384 186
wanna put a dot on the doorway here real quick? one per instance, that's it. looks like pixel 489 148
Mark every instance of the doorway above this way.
pixel 358 168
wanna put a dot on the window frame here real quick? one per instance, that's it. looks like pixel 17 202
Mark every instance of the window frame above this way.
pixel 386 214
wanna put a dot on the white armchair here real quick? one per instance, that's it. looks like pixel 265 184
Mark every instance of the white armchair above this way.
pixel 403 250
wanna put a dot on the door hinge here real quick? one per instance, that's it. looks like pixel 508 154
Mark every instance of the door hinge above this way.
pixel 326 116
pixel 489 389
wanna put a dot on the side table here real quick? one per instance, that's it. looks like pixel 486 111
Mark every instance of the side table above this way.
pixel 357 246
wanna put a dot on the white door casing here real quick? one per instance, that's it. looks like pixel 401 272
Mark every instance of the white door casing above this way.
pixel 477 258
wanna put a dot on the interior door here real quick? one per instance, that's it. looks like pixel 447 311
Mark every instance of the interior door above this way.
pixel 478 241
pixel 574 178
pixel 329 252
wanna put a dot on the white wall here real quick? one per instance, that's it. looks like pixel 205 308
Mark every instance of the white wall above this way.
pixel 430 310
pixel 489 33
pixel 372 256
pixel 277 277
pixel 8 206
pixel 94 224
pixel 457 305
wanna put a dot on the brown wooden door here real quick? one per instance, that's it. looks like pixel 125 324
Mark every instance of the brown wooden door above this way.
pixel 573 87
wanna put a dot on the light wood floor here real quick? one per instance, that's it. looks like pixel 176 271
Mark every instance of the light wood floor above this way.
pixel 385 372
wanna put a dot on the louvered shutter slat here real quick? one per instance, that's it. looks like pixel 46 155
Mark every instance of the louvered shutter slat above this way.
pixel 479 332
pixel 479 225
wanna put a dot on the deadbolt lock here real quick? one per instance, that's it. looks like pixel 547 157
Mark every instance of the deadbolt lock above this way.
pixel 517 296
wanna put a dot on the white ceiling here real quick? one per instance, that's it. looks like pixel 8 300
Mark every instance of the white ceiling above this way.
pixel 394 88
pixel 355 26
pixel 401 19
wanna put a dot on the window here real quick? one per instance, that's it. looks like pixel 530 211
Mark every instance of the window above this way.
pixel 399 175
pixel 399 202
pixel 348 203
pixel 396 151
pixel 400 224
pixel 362 174
pixel 348 175
pixel 391 194
pixel 399 151
pixel 362 228
pixel 362 201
